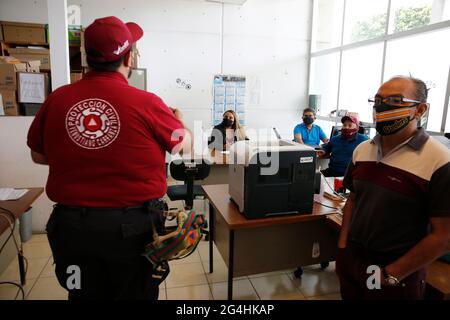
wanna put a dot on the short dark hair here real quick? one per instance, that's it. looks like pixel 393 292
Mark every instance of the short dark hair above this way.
pixel 91 54
pixel 309 110
pixel 421 90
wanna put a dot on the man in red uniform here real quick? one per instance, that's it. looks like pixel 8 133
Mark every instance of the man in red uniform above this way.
pixel 105 144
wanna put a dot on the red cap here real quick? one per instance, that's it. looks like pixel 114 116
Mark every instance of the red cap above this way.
pixel 111 38
pixel 350 118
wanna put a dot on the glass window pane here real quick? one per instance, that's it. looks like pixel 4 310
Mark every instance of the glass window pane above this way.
pixel 410 14
pixel 447 123
pixel 324 81
pixel 360 79
pixel 327 24
pixel 427 59
pixel 364 20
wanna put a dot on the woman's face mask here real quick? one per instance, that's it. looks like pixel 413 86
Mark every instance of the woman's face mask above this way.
pixel 227 122
pixel 349 133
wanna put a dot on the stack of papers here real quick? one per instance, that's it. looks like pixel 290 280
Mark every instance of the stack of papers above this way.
pixel 11 193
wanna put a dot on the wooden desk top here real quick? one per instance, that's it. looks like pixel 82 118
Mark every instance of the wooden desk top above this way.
pixel 439 277
pixel 18 207
pixel 220 200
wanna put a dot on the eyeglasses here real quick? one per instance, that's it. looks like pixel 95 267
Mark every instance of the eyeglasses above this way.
pixel 392 100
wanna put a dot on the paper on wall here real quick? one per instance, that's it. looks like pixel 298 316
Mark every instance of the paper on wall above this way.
pixel 228 94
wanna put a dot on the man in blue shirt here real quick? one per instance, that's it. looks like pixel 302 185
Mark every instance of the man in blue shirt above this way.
pixel 307 132
pixel 341 147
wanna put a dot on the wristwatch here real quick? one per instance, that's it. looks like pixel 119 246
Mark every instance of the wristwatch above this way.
pixel 390 279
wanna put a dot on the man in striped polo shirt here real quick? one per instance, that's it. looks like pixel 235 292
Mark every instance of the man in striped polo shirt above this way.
pixel 397 218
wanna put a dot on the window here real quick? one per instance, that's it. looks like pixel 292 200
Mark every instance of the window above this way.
pixel 425 57
pixel 364 20
pixel 447 123
pixel 360 79
pixel 379 40
pixel 324 81
pixel 410 14
pixel 327 26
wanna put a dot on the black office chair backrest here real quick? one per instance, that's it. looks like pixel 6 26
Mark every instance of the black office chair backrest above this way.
pixel 335 130
pixel 183 170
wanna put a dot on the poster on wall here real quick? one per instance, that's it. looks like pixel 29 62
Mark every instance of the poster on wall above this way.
pixel 228 94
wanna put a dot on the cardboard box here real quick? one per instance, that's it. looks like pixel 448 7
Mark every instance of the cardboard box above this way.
pixel 75 76
pixel 8 71
pixel 32 65
pixel 10 105
pixel 29 33
pixel 32 54
pixel 32 87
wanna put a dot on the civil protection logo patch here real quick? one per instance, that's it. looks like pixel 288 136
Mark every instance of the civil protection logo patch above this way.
pixel 92 123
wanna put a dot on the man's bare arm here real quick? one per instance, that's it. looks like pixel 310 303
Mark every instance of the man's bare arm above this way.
pixel 426 251
pixel 347 216
pixel 298 138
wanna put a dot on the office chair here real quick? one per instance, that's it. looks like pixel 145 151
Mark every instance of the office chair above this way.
pixel 187 171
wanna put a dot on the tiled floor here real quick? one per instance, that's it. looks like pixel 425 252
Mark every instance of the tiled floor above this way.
pixel 189 278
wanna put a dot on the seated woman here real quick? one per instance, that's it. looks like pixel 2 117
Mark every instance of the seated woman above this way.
pixel 227 132
pixel 340 147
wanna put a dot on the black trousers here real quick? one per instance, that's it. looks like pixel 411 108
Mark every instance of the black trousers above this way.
pixel 351 267
pixel 105 246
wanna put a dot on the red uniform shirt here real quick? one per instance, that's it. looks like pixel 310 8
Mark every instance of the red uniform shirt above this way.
pixel 105 142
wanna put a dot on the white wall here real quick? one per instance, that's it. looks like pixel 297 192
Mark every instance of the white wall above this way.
pixel 17 169
pixel 265 40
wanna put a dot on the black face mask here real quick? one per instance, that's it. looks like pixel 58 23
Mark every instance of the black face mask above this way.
pixel 308 120
pixel 227 122
pixel 387 124
pixel 130 73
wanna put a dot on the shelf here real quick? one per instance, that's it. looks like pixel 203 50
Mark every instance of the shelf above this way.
pixel 25 43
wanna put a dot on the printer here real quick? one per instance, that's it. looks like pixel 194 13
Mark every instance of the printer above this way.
pixel 272 178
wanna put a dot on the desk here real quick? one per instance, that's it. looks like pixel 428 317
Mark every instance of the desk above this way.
pixel 438 276
pixel 267 244
pixel 219 168
pixel 18 208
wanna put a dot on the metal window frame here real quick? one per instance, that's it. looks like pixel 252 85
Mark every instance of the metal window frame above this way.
pixel 384 39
